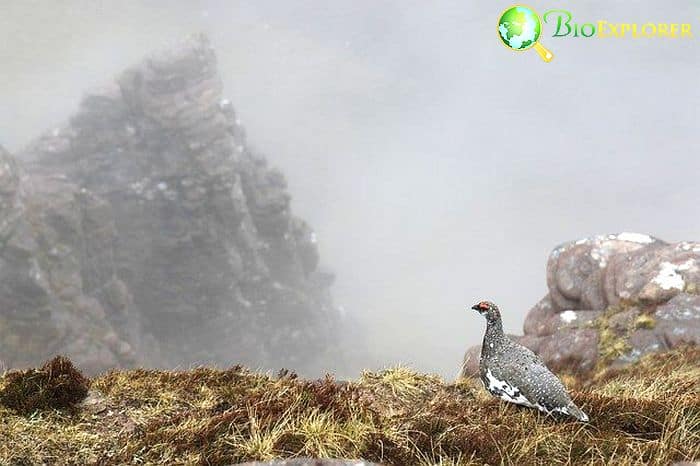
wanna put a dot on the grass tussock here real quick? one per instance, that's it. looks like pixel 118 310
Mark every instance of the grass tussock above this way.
pixel 57 384
pixel 648 413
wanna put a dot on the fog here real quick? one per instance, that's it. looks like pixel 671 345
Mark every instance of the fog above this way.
pixel 437 167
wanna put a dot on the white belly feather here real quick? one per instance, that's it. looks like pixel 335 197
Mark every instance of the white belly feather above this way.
pixel 512 394
pixel 507 392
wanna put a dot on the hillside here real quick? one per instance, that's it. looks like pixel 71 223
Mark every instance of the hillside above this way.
pixel 646 413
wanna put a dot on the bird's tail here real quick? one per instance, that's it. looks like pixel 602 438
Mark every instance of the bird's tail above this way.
pixel 574 411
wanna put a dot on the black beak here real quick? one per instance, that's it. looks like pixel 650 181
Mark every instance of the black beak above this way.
pixel 476 307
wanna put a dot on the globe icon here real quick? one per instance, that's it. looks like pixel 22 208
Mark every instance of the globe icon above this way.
pixel 519 28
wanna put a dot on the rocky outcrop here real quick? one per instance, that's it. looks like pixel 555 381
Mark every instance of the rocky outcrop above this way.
pixel 58 288
pixel 612 299
pixel 170 231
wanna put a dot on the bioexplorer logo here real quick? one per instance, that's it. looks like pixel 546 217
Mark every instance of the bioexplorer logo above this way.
pixel 519 28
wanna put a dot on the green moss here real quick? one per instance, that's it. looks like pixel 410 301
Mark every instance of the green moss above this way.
pixel 611 344
pixel 644 321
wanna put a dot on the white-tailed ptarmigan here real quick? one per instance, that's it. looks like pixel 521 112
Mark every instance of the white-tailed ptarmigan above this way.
pixel 517 375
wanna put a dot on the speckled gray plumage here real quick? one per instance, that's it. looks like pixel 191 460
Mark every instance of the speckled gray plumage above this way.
pixel 514 373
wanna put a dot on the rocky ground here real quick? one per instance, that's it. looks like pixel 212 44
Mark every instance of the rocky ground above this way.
pixel 611 300
pixel 145 230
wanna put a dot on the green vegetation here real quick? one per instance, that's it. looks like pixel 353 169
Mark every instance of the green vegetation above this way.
pixel 613 342
pixel 647 413
pixel 644 321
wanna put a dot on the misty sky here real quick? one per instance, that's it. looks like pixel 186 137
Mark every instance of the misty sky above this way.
pixel 437 167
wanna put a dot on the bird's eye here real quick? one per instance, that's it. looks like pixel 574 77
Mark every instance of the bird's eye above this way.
pixel 483 306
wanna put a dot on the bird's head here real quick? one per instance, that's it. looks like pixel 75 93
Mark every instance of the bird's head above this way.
pixel 488 310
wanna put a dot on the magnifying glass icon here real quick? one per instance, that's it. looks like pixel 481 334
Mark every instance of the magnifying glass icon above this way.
pixel 519 28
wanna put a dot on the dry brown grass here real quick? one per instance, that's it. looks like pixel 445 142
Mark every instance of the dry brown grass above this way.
pixel 648 413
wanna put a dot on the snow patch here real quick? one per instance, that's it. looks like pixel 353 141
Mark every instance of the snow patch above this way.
pixel 568 316
pixel 687 246
pixel 635 238
pixel 690 265
pixel 669 278
pixel 599 256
